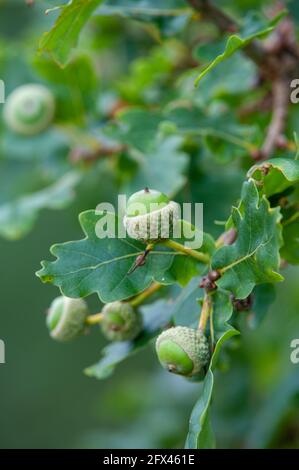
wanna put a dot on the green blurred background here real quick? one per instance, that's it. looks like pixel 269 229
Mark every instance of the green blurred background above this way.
pixel 47 402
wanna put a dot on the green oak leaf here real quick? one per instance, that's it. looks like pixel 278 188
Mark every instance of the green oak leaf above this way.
pixel 101 265
pixel 254 28
pixel 263 297
pixel 200 435
pixel 64 35
pixel 254 257
pixel 155 317
pixel 277 174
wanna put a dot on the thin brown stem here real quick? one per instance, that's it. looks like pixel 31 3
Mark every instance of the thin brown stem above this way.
pixel 211 12
pixel 280 104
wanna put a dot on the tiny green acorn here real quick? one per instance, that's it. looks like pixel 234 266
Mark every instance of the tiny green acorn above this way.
pixel 66 318
pixel 29 109
pixel 150 215
pixel 182 350
pixel 120 321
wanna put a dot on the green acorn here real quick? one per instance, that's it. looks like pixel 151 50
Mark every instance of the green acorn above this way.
pixel 182 350
pixel 29 109
pixel 121 322
pixel 66 318
pixel 150 215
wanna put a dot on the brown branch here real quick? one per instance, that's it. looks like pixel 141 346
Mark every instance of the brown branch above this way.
pixel 277 60
pixel 226 24
pixel 275 130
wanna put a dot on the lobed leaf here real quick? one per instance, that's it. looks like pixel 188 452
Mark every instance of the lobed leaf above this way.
pixel 276 174
pixel 254 257
pixel 101 265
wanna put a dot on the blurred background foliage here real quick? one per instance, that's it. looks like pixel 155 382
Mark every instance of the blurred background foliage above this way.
pixel 45 399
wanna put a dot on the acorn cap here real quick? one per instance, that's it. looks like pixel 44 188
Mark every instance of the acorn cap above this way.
pixel 29 109
pixel 66 318
pixel 150 215
pixel 121 322
pixel 183 350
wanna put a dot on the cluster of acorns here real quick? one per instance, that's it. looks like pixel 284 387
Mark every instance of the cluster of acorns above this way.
pixel 150 216
pixel 181 350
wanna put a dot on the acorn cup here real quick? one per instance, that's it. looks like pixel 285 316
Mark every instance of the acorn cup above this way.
pixel 29 109
pixel 182 350
pixel 66 318
pixel 150 215
pixel 120 322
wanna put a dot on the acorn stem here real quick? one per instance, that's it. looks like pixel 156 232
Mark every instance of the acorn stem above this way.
pixel 206 311
pixel 202 257
pixel 94 319
pixel 140 260
pixel 145 294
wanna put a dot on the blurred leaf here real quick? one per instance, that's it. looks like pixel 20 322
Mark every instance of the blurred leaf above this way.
pixel 135 127
pixel 151 152
pixel 64 35
pixel 271 413
pixel 234 76
pixel 276 174
pixel 74 86
pixel 136 9
pixel 155 317
pixel 254 257
pixel 18 216
pixel 34 174
pixel 255 27
pixel 290 234
pixel 185 308
pixel 149 78
pixel 263 297
pixel 151 171
pixel 169 16
pixel 145 131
